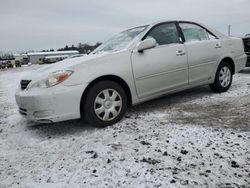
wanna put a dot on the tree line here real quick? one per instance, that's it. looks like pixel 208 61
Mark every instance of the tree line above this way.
pixel 83 48
pixel 6 56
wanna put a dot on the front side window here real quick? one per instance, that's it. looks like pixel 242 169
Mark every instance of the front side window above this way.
pixel 193 32
pixel 164 34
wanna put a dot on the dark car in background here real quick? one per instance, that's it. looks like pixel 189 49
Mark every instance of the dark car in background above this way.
pixel 246 41
pixel 9 64
pixel 3 64
pixel 18 63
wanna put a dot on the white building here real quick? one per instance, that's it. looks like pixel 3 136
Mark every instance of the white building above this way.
pixel 54 58
pixel 38 57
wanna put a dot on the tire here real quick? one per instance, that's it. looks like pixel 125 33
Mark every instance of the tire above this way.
pixel 99 108
pixel 222 84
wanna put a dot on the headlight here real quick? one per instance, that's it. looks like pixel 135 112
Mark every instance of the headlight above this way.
pixel 53 79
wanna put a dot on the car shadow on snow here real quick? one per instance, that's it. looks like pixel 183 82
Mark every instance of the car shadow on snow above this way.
pixel 246 70
pixel 184 108
pixel 173 99
pixel 65 128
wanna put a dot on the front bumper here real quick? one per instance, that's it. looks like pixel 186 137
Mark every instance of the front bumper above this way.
pixel 46 105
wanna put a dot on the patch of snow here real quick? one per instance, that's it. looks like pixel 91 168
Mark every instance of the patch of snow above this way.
pixel 191 139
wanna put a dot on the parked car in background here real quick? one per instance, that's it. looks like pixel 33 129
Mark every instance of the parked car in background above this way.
pixel 24 60
pixel 132 67
pixel 3 64
pixel 18 63
pixel 9 64
pixel 246 41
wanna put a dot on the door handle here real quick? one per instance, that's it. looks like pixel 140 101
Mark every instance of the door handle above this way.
pixel 217 45
pixel 180 52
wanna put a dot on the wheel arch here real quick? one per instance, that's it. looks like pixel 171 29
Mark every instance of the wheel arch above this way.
pixel 230 61
pixel 113 78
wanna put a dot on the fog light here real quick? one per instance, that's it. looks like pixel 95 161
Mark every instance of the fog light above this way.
pixel 43 113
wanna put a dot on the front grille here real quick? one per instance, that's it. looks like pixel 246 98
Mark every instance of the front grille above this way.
pixel 24 84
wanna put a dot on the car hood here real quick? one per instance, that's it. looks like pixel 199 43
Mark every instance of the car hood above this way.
pixel 67 64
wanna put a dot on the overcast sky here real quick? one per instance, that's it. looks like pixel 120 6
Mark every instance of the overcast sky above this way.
pixel 37 25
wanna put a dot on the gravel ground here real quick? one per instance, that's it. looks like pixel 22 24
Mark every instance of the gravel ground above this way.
pixel 191 139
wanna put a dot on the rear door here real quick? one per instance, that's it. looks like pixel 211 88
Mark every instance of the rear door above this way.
pixel 204 50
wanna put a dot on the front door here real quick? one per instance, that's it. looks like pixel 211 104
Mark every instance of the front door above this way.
pixel 162 68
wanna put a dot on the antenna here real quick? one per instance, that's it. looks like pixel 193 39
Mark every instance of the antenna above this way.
pixel 229 30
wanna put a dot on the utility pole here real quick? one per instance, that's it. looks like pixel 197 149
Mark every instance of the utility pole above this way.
pixel 229 30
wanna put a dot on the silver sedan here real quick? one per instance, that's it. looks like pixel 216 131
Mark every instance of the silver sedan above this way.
pixel 132 67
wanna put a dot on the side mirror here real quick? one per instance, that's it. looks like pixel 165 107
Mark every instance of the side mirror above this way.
pixel 146 44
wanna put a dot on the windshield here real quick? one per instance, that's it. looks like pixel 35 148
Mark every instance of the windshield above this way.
pixel 121 40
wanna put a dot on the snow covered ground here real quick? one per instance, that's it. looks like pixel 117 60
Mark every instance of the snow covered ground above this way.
pixel 191 139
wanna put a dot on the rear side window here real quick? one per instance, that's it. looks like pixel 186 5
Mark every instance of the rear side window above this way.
pixel 194 32
pixel 164 34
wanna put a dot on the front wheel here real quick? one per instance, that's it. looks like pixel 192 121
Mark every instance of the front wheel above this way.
pixel 105 104
pixel 223 78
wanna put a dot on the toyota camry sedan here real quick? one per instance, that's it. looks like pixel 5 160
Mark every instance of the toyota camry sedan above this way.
pixel 134 66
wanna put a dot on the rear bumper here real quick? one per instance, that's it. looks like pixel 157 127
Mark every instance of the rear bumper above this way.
pixel 47 105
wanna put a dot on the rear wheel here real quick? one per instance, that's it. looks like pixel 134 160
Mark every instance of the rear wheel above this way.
pixel 223 78
pixel 105 104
